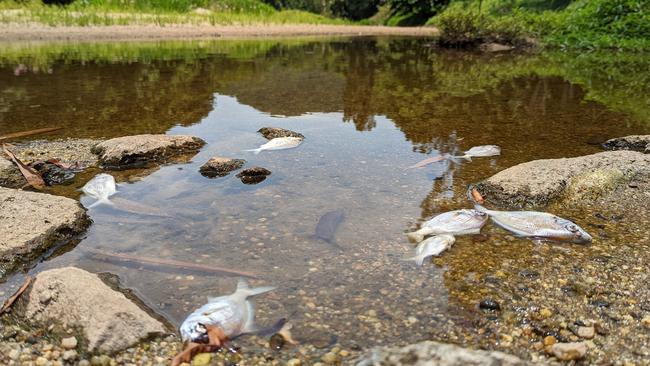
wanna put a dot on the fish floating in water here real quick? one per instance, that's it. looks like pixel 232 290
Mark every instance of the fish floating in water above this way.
pixel 101 187
pixel 427 161
pixel 538 225
pixel 279 143
pixel 328 224
pixel 233 314
pixel 432 246
pixel 480 151
pixel 458 222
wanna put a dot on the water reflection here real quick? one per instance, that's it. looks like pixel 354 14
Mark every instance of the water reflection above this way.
pixel 369 108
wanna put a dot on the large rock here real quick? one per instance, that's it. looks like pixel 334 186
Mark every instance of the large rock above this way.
pixel 540 181
pixel 32 222
pixel 437 354
pixel 275 132
pixel 10 176
pixel 73 297
pixel 140 150
pixel 220 167
pixel 639 143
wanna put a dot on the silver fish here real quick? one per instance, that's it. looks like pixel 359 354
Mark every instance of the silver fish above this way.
pixel 456 222
pixel 538 225
pixel 279 143
pixel 433 246
pixel 101 187
pixel 480 151
pixel 233 314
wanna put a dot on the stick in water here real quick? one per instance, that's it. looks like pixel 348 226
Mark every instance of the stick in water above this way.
pixel 10 301
pixel 28 133
pixel 171 263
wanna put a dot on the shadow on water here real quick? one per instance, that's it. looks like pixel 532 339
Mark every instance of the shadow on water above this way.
pixel 368 107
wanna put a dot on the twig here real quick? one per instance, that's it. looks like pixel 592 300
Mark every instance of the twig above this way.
pixel 171 263
pixel 10 301
pixel 33 178
pixel 28 133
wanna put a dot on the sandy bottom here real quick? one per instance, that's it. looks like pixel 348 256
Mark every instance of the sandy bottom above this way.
pixel 39 32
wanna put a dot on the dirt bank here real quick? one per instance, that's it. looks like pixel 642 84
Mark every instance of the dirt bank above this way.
pixel 39 32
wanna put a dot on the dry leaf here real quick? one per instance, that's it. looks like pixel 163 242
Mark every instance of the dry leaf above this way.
pixel 33 178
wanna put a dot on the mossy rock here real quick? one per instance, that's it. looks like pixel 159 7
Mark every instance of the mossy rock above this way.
pixel 594 184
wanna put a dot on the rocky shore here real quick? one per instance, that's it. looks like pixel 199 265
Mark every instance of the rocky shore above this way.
pixel 579 305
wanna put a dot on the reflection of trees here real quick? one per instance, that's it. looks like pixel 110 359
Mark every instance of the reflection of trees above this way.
pixel 357 96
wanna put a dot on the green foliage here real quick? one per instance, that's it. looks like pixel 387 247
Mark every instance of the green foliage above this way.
pixel 413 12
pixel 350 9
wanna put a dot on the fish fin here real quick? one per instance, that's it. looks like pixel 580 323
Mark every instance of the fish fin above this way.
pixel 418 235
pixel 255 151
pixel 419 260
pixel 244 290
pixel 101 201
pixel 480 208
pixel 250 326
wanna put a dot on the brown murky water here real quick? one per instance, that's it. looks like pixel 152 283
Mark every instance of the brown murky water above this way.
pixel 368 108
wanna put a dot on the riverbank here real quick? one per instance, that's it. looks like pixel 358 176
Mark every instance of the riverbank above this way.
pixel 40 32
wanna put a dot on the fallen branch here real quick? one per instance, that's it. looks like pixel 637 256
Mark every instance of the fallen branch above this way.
pixel 33 178
pixel 28 133
pixel 10 301
pixel 170 263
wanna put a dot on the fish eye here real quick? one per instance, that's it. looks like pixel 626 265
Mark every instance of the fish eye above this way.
pixel 572 228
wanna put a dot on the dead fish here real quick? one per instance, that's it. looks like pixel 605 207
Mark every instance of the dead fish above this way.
pixel 278 143
pixel 458 222
pixel 327 226
pixel 538 225
pixel 138 208
pixel 232 314
pixel 427 161
pixel 480 151
pixel 433 246
pixel 101 187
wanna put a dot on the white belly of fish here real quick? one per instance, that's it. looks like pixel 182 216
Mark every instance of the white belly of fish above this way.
pixel 456 222
pixel 229 316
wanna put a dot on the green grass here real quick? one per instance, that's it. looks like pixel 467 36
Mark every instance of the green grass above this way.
pixel 579 24
pixel 159 12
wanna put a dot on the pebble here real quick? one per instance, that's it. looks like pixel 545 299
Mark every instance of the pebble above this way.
pixel 14 354
pixel 69 355
pixel 549 340
pixel 586 332
pixel 329 357
pixel 545 313
pixel 344 353
pixel 202 359
pixel 41 361
pixel 646 321
pixel 489 304
pixel 69 343
pixel 569 351
pixel 294 362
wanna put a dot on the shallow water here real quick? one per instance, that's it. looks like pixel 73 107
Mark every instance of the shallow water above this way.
pixel 369 108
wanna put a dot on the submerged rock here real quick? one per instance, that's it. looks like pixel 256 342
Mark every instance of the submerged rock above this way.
pixel 274 132
pixel 76 298
pixel 220 167
pixel 253 175
pixel 140 150
pixel 32 222
pixel 438 354
pixel 639 143
pixel 10 176
pixel 540 181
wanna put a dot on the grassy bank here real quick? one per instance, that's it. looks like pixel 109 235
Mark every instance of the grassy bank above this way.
pixel 157 12
pixel 579 24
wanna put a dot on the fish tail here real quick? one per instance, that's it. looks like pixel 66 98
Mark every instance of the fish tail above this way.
pixel 418 259
pixel 101 201
pixel 255 151
pixel 480 208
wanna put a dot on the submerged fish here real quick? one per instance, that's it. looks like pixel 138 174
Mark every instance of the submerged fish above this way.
pixel 233 315
pixel 279 143
pixel 100 187
pixel 433 246
pixel 427 161
pixel 327 226
pixel 538 225
pixel 456 222
pixel 481 151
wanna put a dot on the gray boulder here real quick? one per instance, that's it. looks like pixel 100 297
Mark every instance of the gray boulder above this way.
pixel 140 150
pixel 437 354
pixel 639 143
pixel 275 132
pixel 72 297
pixel 10 176
pixel 32 222
pixel 220 167
pixel 539 182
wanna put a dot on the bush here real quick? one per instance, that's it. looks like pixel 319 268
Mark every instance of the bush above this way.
pixel 351 9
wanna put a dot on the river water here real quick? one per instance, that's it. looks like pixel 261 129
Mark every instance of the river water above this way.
pixel 369 108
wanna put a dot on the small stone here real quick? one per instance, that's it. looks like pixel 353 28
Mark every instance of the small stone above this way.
pixel 586 332
pixel 14 354
pixel 69 355
pixel 294 362
pixel 275 132
pixel 646 321
pixel 344 353
pixel 545 313
pixel 489 304
pixel 47 347
pixel 569 351
pixel 220 167
pixel 83 363
pixel 69 343
pixel 329 357
pixel 41 361
pixel 202 359
pixel 253 175
pixel 549 340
